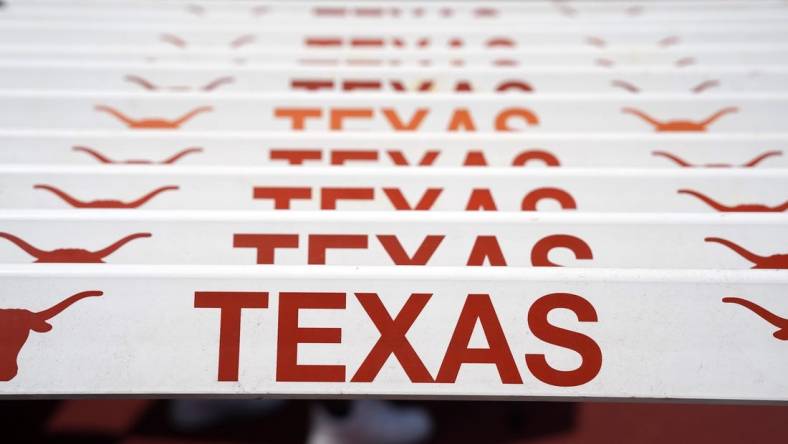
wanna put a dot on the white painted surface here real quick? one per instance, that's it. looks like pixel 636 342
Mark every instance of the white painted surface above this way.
pixel 663 334
pixel 396 150
pixel 141 77
pixel 762 54
pixel 233 188
pixel 570 113
pixel 585 240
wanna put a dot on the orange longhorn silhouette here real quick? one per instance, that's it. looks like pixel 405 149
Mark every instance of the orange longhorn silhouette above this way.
pixel 685 164
pixel 679 125
pixel 634 89
pixel 153 122
pixel 736 208
pixel 210 86
pixel 237 42
pixel 70 255
pixel 168 161
pixel 17 323
pixel 109 203
pixel 777 321
pixel 599 42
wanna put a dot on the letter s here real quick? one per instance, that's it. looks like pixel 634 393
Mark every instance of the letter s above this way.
pixel 590 353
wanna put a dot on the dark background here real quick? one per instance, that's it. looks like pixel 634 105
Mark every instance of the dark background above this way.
pixel 146 422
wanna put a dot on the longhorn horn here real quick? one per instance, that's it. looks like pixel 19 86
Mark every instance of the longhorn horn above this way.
pixel 626 85
pixel 763 157
pixel 192 113
pixel 175 157
pixel 777 321
pixel 121 242
pixel 142 82
pixel 21 243
pixel 173 40
pixel 216 82
pixel 709 201
pixel 672 157
pixel 718 114
pixel 61 194
pixel 59 307
pixel 741 251
pixel 642 115
pixel 117 114
pixel 699 88
pixel 136 203
pixel 782 207
pixel 90 151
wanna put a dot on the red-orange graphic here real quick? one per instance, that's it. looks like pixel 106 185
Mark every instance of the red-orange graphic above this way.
pixel 242 40
pixel 697 89
pixel 662 43
pixel 706 84
pixel 679 125
pixel 153 122
pixel 501 42
pixel 735 208
pixel 71 255
pixel 777 321
pixel 752 163
pixel 775 261
pixel 564 8
pixel 168 161
pixel 596 41
pixel 16 325
pixel 532 199
pixel 540 253
pixel 150 86
pixel 106 203
pixel 685 61
pixel 669 41
pixel 173 40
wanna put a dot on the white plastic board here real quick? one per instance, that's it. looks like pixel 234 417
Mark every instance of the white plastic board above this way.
pixel 472 150
pixel 588 240
pixel 460 332
pixel 230 37
pixel 397 12
pixel 762 54
pixel 144 77
pixel 438 113
pixel 402 189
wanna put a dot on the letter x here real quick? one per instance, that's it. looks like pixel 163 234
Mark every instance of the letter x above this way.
pixel 392 338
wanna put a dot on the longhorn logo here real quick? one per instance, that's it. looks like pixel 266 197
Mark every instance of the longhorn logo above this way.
pixel 16 325
pixel 777 321
pixel 153 122
pixel 107 203
pixel 70 255
pixel 168 161
pixel 699 88
pixel 775 261
pixel 662 43
pixel 736 208
pixel 681 162
pixel 242 40
pixel 680 125
pixel 150 86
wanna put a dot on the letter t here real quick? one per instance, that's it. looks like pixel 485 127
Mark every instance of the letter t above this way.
pixel 230 304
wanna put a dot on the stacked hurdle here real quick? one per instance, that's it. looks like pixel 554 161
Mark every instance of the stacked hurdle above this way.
pixel 518 200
